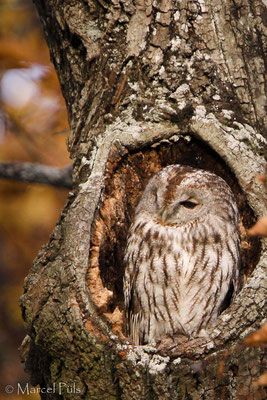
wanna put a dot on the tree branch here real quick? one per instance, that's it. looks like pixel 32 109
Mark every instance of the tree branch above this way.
pixel 37 173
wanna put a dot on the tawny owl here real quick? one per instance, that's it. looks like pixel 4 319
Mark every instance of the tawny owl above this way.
pixel 182 254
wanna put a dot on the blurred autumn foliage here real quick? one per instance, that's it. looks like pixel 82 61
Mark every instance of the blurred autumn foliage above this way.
pixel 33 127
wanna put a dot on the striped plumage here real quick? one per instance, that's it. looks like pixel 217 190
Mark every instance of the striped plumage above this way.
pixel 182 254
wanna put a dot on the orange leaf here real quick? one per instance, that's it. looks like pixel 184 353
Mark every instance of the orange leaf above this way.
pixel 258 337
pixel 262 381
pixel 260 228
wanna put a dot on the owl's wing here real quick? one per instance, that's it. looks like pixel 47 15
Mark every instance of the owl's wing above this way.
pixel 233 289
pixel 228 297
pixel 132 306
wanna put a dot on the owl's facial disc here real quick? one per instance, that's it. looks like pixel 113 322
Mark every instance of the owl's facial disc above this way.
pixel 182 211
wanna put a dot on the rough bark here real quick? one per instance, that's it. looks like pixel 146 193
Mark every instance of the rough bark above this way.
pixel 147 84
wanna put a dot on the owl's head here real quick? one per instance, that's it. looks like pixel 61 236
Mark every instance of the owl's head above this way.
pixel 178 195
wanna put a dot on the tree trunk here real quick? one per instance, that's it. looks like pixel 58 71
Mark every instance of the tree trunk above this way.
pixel 147 84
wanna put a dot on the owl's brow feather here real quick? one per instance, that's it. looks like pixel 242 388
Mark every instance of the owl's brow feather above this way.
pixel 177 176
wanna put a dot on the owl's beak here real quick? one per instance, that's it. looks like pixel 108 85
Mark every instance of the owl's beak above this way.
pixel 164 215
